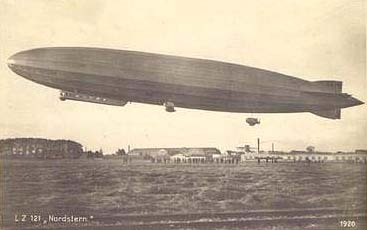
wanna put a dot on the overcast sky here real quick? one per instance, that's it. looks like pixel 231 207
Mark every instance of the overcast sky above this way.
pixel 313 40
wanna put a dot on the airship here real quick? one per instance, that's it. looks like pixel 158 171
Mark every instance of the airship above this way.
pixel 252 121
pixel 116 77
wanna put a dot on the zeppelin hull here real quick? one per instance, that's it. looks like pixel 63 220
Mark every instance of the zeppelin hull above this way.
pixel 187 82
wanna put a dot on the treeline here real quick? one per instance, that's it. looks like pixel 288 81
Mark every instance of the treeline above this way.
pixel 40 148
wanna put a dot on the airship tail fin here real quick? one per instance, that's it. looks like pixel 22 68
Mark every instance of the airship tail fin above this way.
pixel 328 86
pixel 331 114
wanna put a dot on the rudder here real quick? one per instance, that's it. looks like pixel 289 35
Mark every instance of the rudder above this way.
pixel 331 114
pixel 334 87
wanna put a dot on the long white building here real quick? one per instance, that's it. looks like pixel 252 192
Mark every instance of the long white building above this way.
pixel 359 156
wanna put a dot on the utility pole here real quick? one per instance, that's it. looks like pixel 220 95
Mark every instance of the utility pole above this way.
pixel 272 147
pixel 258 145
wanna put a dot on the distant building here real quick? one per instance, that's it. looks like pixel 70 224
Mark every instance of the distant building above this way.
pixel 361 151
pixel 228 157
pixel 179 155
pixel 251 156
pixel 178 158
pixel 39 148
pixel 359 156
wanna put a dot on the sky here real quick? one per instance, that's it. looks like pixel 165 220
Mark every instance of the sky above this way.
pixel 313 40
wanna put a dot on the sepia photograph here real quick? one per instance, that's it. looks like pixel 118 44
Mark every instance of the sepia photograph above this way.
pixel 188 115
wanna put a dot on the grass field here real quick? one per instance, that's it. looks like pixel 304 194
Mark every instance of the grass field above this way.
pixel 115 194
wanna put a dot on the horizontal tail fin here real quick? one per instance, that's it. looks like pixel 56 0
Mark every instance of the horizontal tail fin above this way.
pixel 331 114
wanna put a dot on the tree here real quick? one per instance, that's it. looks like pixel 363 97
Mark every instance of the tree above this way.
pixel 120 152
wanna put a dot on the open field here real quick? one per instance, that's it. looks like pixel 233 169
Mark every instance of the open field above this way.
pixel 151 196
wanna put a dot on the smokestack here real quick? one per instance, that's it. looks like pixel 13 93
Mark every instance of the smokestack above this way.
pixel 258 145
pixel 272 147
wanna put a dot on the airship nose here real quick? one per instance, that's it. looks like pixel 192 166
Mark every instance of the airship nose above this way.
pixel 21 64
pixel 39 65
pixel 11 61
pixel 16 60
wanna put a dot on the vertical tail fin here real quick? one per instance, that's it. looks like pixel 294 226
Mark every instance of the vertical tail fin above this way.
pixel 332 87
pixel 332 114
